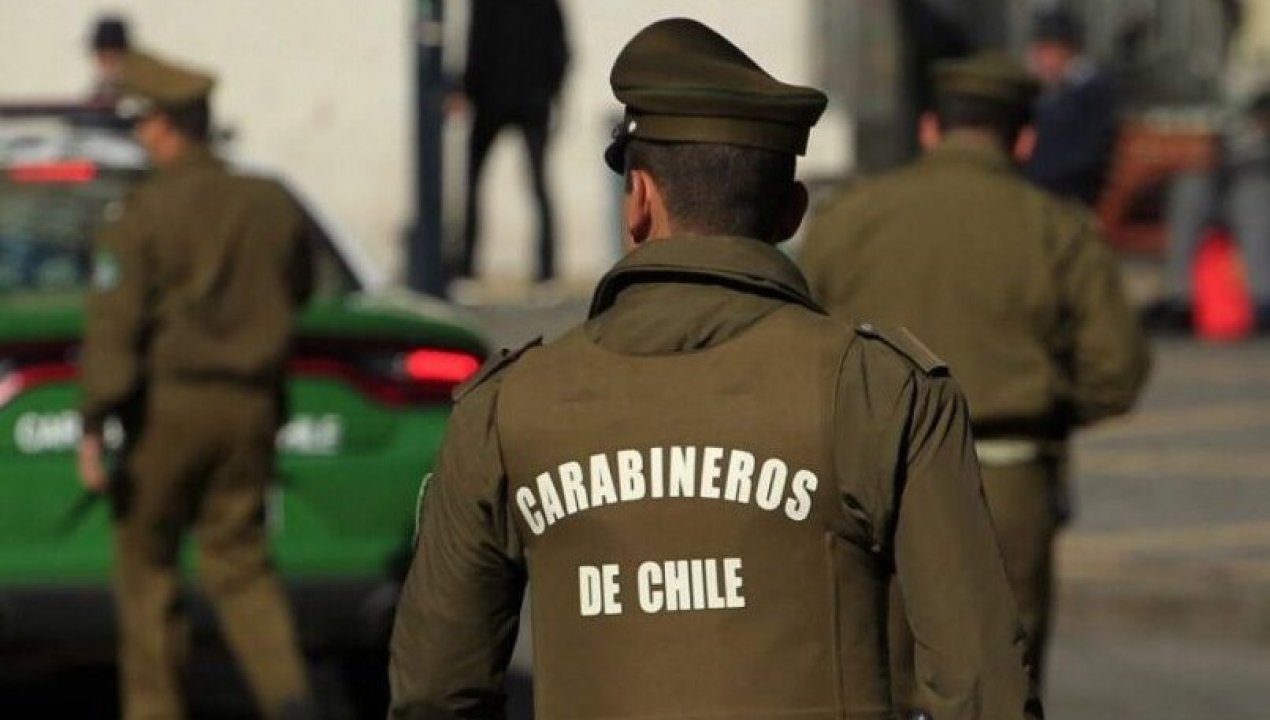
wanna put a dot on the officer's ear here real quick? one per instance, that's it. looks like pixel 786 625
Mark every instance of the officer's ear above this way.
pixel 1024 144
pixel 791 211
pixel 644 213
pixel 637 217
pixel 929 132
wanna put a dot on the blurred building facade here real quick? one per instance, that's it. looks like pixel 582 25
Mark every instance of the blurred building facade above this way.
pixel 323 91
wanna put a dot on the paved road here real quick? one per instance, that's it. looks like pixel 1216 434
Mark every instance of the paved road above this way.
pixel 1174 502
pixel 1130 676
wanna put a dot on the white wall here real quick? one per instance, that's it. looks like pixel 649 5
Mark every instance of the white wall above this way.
pixel 322 90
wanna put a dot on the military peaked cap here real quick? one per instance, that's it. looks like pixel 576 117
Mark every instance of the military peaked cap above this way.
pixel 988 75
pixel 683 82
pixel 149 83
pixel 1058 25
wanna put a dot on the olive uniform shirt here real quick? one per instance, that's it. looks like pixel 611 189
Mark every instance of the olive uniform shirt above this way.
pixel 196 276
pixel 1013 287
pixel 680 323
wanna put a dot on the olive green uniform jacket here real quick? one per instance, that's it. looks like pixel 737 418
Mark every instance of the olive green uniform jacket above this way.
pixel 828 458
pixel 1013 287
pixel 196 277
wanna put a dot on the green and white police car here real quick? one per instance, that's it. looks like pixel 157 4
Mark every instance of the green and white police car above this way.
pixel 369 394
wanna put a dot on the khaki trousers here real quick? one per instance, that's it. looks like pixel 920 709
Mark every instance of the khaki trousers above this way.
pixel 201 462
pixel 1024 500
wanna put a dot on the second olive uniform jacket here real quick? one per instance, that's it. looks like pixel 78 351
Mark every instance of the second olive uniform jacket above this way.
pixel 709 485
pixel 196 277
pixel 1013 287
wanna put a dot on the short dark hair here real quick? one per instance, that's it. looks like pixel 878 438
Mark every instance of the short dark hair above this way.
pixel 192 119
pixel 1004 120
pixel 1059 25
pixel 110 33
pixel 715 188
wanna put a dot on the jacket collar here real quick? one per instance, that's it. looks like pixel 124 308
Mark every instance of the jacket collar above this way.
pixel 959 151
pixel 739 263
pixel 195 156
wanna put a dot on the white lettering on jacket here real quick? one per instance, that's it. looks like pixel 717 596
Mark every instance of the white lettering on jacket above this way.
pixel 626 476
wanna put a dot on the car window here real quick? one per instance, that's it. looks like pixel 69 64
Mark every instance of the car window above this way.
pixel 332 277
pixel 47 220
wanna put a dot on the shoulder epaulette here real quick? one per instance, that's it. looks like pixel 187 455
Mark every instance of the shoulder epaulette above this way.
pixel 493 366
pixel 906 344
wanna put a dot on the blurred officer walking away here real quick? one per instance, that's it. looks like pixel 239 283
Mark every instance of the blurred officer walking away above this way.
pixel 1075 114
pixel 1014 287
pixel 195 286
pixel 517 55
pixel 707 482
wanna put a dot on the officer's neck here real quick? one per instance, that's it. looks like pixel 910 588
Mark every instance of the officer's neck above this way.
pixel 171 150
pixel 974 138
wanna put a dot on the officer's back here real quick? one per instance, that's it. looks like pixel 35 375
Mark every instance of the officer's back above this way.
pixel 228 273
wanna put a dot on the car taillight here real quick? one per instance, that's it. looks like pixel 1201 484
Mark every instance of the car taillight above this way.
pixel 392 377
pixel 17 381
pixel 440 366
pixel 69 171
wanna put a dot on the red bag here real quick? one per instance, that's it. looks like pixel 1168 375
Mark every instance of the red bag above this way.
pixel 1223 308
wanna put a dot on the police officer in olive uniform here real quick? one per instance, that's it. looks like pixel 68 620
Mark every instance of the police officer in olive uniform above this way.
pixel 709 481
pixel 196 280
pixel 1013 287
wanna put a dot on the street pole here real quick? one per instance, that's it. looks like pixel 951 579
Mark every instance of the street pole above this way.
pixel 424 270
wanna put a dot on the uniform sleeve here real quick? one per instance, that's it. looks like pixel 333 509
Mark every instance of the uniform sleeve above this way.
pixel 458 614
pixel 969 644
pixel 115 318
pixel 1110 356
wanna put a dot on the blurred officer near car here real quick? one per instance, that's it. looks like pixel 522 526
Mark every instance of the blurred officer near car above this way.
pixel 195 285
pixel 1075 115
pixel 1014 287
pixel 709 481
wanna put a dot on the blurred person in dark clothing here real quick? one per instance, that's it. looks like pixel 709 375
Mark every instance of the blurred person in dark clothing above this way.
pixel 517 55
pixel 1075 116
pixel 1235 194
pixel 109 43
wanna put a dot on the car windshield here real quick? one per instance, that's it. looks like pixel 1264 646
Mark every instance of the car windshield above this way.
pixel 47 215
